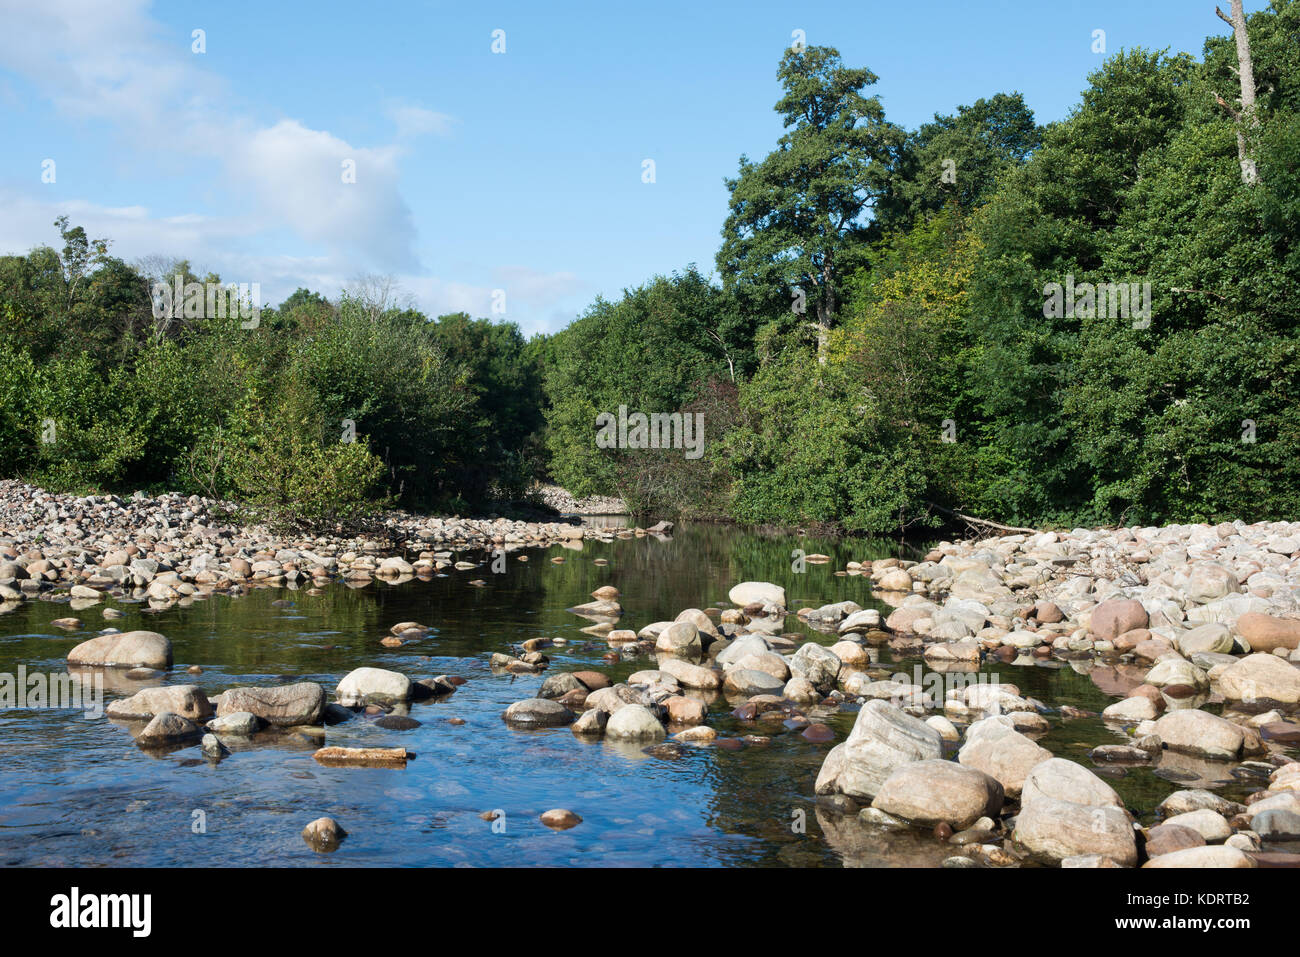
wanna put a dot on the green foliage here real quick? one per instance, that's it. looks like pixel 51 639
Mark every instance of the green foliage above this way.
pixel 286 476
pixel 498 442
pixel 938 380
pixel 650 352
pixel 98 392
pixel 389 379
pixel 1071 418
pixel 958 159
pixel 858 440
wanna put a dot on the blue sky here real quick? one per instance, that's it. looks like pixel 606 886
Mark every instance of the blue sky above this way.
pixel 476 171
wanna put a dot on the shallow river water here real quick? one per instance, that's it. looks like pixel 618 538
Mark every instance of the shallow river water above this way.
pixel 77 791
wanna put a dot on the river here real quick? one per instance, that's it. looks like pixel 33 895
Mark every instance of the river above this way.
pixel 77 791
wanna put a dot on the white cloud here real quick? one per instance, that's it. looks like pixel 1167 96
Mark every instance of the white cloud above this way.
pixel 528 285
pixel 297 176
pixel 216 244
pixel 113 63
pixel 97 60
pixel 110 62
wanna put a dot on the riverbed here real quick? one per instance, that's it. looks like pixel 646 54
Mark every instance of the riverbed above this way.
pixel 77 791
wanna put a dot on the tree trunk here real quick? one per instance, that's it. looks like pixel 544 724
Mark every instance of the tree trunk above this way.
pixel 1247 120
pixel 826 308
pixel 823 327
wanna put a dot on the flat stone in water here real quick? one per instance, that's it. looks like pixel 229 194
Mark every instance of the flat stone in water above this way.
pixel 1119 771
pixel 560 819
pixel 1252 770
pixel 537 713
pixel 746 712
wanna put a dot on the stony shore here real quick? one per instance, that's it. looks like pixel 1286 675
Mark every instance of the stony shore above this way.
pixel 1191 630
pixel 560 500
pixel 168 547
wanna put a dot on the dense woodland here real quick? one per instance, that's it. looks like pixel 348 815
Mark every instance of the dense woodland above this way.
pixel 875 353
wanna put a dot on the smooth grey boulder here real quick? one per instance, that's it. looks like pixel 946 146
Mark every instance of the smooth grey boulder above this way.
pixel 363 686
pixel 128 649
pixel 882 739
pixel 280 705
pixel 188 701
pixel 537 713
pixel 937 791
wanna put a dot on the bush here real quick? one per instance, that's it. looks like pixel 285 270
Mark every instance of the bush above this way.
pixel 279 468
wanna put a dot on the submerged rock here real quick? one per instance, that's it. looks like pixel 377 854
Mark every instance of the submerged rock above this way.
pixel 560 819
pixel 240 723
pixel 537 713
pixel 634 722
pixel 168 729
pixel 323 835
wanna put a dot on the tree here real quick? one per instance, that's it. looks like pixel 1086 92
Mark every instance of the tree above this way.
pixel 650 351
pixel 499 437
pixel 1246 119
pixel 958 158
pixel 795 215
pixel 80 254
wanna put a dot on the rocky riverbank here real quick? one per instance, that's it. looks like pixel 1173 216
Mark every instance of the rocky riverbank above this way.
pixel 560 500
pixel 169 547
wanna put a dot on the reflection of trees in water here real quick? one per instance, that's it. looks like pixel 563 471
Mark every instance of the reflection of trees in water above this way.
pixel 701 562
